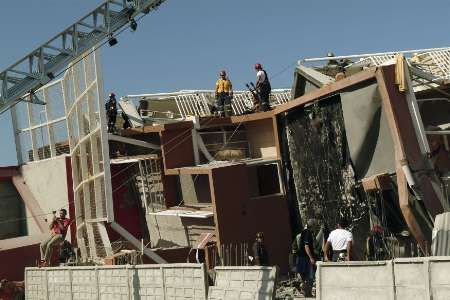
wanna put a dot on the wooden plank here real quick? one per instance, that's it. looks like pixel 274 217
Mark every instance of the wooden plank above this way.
pixel 252 117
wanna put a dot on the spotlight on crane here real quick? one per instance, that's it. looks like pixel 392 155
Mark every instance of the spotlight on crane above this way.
pixel 112 41
pixel 133 25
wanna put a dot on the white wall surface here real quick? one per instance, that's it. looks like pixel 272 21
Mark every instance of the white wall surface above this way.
pixel 47 181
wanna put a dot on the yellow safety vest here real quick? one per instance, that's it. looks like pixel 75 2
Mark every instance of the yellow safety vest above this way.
pixel 223 85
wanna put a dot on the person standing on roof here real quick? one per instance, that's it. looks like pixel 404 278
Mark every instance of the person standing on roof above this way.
pixel 306 258
pixel 224 93
pixel 111 112
pixel 263 87
pixel 58 230
pixel 341 241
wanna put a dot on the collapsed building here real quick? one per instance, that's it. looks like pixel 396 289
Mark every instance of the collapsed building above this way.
pixel 363 138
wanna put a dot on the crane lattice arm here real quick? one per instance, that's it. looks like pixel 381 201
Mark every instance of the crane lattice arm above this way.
pixel 45 62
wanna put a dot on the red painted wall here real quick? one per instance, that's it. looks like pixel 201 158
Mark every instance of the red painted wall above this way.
pixel 14 261
pixel 126 207
pixel 177 149
pixel 71 199
pixel 238 218
pixel 7 172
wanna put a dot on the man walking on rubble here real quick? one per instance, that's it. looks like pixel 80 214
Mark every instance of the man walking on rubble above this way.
pixel 263 87
pixel 259 251
pixel 58 230
pixel 224 93
pixel 111 112
pixel 303 247
pixel 341 241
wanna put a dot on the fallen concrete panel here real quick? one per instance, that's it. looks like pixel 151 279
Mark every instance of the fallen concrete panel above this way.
pixel 162 281
pixel 244 283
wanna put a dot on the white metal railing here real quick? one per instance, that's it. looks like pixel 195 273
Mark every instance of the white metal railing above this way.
pixel 197 102
pixel 435 62
pixel 406 52
pixel 241 102
pixel 282 96
pixel 192 105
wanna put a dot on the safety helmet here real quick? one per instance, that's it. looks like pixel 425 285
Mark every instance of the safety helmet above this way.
pixel 259 235
pixel 330 54
pixel 258 66
pixel 223 73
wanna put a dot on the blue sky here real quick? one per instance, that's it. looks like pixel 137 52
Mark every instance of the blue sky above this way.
pixel 185 43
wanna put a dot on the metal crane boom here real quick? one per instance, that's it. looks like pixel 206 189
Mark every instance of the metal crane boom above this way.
pixel 45 62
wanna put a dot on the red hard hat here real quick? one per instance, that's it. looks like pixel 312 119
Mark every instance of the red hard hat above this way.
pixel 223 73
pixel 258 66
pixel 377 229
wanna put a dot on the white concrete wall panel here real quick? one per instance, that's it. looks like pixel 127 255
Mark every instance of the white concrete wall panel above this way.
pixel 161 281
pixel 413 278
pixel 113 284
pixel 47 181
pixel 150 283
pixel 84 284
pixel 185 282
pixel 218 293
pixel 440 278
pixel 410 281
pixel 58 284
pixel 36 284
pixel 244 283
pixel 355 280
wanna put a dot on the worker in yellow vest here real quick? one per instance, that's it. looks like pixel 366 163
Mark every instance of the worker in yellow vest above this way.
pixel 224 93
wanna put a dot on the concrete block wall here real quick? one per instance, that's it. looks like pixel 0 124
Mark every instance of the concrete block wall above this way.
pixel 355 280
pixel 84 284
pixel 36 284
pixel 163 281
pixel 244 283
pixel 400 279
pixel 185 283
pixel 59 285
pixel 114 283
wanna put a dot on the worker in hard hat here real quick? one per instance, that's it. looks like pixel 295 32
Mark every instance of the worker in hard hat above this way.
pixel 224 93
pixel 332 61
pixel 111 112
pixel 263 87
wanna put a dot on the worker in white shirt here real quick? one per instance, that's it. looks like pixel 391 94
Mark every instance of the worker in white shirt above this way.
pixel 263 87
pixel 341 241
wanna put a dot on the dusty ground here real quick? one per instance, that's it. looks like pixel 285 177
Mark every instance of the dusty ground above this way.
pixel 290 289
